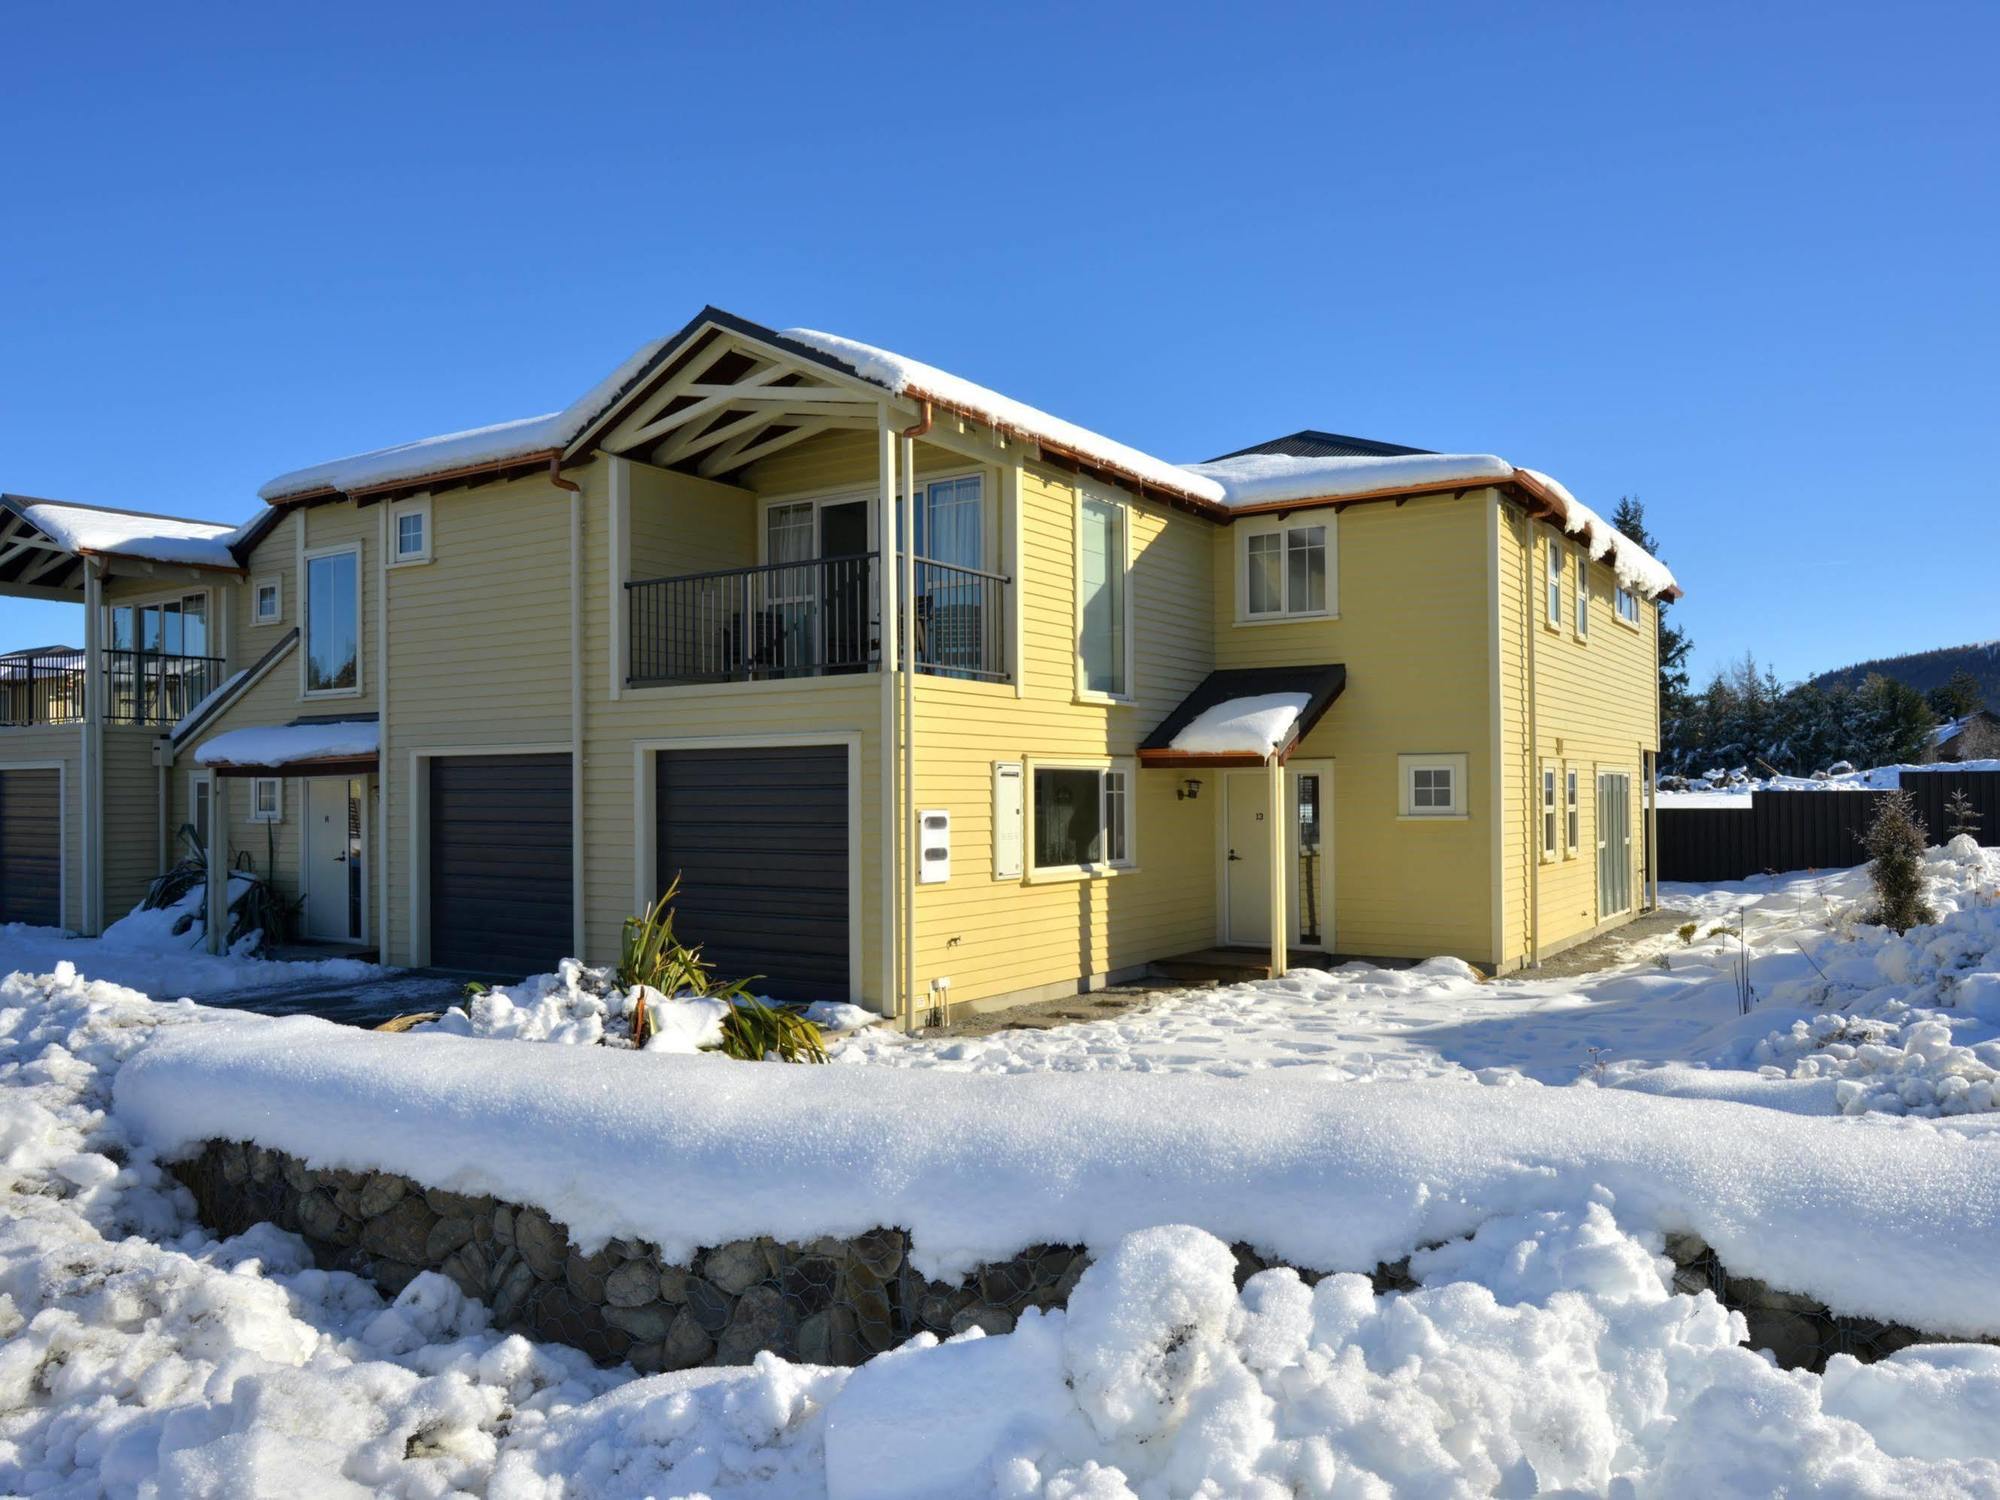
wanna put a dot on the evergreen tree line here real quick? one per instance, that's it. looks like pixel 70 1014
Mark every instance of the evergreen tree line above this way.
pixel 1745 718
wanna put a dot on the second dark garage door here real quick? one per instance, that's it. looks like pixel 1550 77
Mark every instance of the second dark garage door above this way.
pixel 500 862
pixel 31 847
pixel 759 839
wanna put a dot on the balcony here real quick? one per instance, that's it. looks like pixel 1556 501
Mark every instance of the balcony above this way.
pixel 141 687
pixel 818 618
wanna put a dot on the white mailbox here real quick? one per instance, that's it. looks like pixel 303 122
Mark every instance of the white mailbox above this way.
pixel 933 847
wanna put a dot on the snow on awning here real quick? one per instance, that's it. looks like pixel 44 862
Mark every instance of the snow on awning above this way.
pixel 297 749
pixel 1243 716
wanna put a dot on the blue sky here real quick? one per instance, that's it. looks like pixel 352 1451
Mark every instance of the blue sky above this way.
pixel 1735 260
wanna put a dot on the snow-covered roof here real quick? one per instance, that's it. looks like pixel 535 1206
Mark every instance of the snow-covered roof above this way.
pixel 291 744
pixel 86 529
pixel 503 442
pixel 1224 485
pixel 912 377
pixel 1255 725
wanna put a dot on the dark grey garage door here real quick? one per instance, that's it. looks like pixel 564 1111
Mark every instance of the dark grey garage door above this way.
pixel 759 839
pixel 500 863
pixel 31 847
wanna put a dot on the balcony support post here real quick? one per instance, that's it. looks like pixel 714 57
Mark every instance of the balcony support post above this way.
pixel 218 864
pixel 96 689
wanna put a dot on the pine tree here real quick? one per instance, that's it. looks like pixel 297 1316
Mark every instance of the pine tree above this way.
pixel 1895 842
pixel 1957 698
pixel 1964 816
pixel 1675 701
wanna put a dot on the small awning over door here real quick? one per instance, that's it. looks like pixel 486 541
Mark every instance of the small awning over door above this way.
pixel 1242 716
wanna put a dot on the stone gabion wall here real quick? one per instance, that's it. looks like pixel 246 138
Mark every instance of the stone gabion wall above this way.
pixel 835 1301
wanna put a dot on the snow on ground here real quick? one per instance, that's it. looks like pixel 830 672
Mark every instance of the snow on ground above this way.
pixel 1740 786
pixel 1546 1351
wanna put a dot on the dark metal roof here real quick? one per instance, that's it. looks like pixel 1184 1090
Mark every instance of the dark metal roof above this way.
pixel 1321 684
pixel 1310 442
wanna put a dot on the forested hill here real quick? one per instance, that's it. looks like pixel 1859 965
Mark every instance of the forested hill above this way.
pixel 1924 670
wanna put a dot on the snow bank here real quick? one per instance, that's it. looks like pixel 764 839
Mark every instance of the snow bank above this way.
pixel 1331 1178
pixel 290 744
pixel 84 528
pixel 1256 725
pixel 1268 478
pixel 911 377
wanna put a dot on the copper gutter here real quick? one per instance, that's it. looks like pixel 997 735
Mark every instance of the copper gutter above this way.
pixel 556 478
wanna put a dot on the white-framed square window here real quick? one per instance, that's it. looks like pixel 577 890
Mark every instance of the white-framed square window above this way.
pixel 410 531
pixel 1550 831
pixel 1628 606
pixel 1571 822
pixel 267 799
pixel 1287 570
pixel 1081 818
pixel 1556 553
pixel 1582 594
pixel 1103 596
pixel 330 665
pixel 1433 786
pixel 267 601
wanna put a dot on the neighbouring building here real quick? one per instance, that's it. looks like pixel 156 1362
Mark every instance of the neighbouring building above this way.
pixel 927 697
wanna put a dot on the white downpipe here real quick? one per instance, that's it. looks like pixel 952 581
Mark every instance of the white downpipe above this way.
pixel 885 524
pixel 1281 920
pixel 908 820
pixel 218 863
pixel 1534 601
pixel 380 924
pixel 576 860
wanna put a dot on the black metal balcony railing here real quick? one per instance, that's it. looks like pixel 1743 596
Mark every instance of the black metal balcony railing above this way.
pixel 141 687
pixel 809 619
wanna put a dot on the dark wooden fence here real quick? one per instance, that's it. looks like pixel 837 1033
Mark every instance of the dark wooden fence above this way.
pixel 1809 830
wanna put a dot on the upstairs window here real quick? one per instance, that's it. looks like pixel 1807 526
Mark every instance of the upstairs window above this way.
pixel 1555 603
pixel 268 605
pixel 1582 595
pixel 1287 571
pixel 1104 598
pixel 333 622
pixel 1628 606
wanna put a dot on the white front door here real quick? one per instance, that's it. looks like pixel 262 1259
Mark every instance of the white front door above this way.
pixel 334 884
pixel 1246 855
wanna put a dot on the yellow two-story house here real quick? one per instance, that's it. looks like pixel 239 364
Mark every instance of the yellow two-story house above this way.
pixel 927 698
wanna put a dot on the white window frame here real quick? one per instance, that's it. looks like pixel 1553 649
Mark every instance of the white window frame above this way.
pixel 1582 595
pixel 1084 692
pixel 277 811
pixel 1407 767
pixel 1122 767
pixel 1329 521
pixel 421 508
pixel 139 603
pixel 201 791
pixel 1572 816
pixel 306 560
pixel 1551 829
pixel 1625 607
pixel 276 584
pixel 1552 604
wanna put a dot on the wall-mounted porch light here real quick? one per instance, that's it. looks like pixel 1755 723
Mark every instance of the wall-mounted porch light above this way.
pixel 1190 791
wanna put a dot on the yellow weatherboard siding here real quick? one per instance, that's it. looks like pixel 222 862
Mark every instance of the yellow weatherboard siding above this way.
pixel 1412 631
pixel 999 937
pixel 1594 708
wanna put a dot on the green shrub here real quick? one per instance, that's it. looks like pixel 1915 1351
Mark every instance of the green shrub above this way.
pixel 1895 841
pixel 651 955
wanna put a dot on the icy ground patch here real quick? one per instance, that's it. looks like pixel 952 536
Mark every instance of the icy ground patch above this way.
pixel 144 1357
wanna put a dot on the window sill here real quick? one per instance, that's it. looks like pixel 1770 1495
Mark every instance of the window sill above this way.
pixel 1104 700
pixel 410 562
pixel 1632 625
pixel 1300 619
pixel 266 624
pixel 1061 873
pixel 1433 817
pixel 353 692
